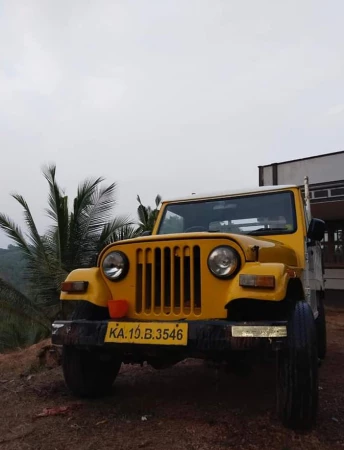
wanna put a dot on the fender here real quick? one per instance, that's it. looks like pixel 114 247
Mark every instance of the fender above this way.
pixel 97 292
pixel 282 273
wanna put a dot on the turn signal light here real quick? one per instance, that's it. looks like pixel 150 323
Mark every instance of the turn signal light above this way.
pixel 74 286
pixel 118 308
pixel 264 281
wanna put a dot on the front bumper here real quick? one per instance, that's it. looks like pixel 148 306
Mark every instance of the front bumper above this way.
pixel 202 336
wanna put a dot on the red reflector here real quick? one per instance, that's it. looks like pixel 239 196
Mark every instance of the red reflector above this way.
pixel 74 286
pixel 118 308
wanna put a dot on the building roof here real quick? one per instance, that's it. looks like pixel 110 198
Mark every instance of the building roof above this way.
pixel 323 155
pixel 229 193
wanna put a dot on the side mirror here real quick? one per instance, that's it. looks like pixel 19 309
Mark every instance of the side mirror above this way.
pixel 146 233
pixel 316 230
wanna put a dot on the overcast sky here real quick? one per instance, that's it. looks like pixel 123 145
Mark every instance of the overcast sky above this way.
pixel 168 97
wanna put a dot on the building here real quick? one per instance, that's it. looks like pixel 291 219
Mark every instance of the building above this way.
pixel 326 179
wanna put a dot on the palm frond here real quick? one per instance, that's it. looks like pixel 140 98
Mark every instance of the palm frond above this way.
pixel 35 239
pixel 127 232
pixel 103 202
pixel 98 211
pixel 85 191
pixel 111 230
pixel 15 234
pixel 83 219
pixel 58 212
pixel 143 215
pixel 55 193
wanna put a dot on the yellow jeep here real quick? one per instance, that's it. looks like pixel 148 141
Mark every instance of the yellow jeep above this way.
pixel 222 276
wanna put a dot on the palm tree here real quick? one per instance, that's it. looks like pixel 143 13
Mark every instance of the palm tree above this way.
pixel 147 215
pixel 73 240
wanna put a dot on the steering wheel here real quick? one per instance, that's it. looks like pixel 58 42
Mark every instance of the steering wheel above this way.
pixel 195 229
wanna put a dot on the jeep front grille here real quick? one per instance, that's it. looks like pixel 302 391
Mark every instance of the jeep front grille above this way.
pixel 168 280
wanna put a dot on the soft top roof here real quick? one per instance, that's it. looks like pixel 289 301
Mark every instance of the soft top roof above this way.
pixel 229 193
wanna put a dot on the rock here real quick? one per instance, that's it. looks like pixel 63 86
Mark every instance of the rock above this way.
pixel 50 356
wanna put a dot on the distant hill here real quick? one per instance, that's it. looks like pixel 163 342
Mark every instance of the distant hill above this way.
pixel 12 268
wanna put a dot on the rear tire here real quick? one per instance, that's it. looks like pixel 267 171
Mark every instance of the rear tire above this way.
pixel 297 371
pixel 89 372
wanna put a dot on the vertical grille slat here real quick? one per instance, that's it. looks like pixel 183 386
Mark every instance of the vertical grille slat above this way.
pixel 156 280
pixel 172 272
pixel 151 278
pixel 182 280
pixel 197 276
pixel 144 280
pixel 192 279
pixel 168 280
pixel 139 283
pixel 162 290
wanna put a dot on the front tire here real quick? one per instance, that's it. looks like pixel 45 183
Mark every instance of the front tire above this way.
pixel 89 373
pixel 297 371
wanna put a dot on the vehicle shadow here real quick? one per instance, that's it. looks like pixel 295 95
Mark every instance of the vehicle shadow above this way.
pixel 193 388
pixel 190 390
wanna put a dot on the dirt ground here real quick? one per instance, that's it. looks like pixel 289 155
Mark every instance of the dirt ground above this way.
pixel 187 407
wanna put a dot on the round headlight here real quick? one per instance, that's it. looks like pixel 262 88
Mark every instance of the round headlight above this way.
pixel 223 261
pixel 115 266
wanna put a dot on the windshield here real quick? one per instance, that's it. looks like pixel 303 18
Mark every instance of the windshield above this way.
pixel 259 214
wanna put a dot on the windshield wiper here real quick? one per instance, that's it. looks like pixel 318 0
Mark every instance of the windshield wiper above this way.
pixel 267 230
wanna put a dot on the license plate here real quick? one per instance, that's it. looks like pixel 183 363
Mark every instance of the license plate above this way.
pixel 155 333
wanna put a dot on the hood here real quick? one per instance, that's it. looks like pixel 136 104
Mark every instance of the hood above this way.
pixel 255 249
pixel 266 250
